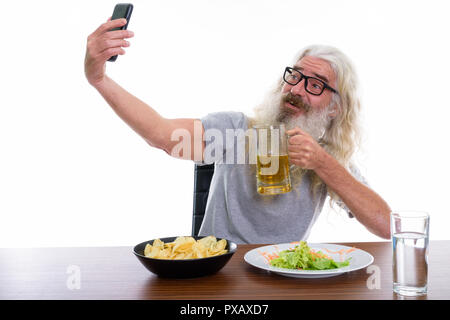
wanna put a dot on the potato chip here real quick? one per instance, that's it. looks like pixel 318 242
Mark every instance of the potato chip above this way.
pixel 158 243
pixel 183 244
pixel 180 256
pixel 154 252
pixel 208 241
pixel 147 249
pixel 199 250
pixel 188 255
pixel 220 245
pixel 163 254
pixel 186 248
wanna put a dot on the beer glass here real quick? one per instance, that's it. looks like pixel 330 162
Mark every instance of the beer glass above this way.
pixel 410 232
pixel 272 162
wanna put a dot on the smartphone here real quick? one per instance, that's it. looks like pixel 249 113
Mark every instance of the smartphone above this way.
pixel 121 10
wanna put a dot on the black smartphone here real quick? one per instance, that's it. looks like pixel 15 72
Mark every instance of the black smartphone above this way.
pixel 121 10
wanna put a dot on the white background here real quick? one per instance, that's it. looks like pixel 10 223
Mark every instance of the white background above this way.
pixel 73 174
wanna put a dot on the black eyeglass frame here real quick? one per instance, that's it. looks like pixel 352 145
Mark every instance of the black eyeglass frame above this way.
pixel 325 86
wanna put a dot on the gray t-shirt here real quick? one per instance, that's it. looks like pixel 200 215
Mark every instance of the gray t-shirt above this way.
pixel 236 211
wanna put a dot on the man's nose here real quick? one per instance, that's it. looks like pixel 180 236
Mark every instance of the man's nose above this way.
pixel 299 88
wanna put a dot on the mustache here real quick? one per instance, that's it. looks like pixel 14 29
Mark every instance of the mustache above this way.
pixel 296 101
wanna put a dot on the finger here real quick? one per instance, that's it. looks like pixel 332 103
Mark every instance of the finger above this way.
pixel 291 161
pixel 296 131
pixel 303 157
pixel 297 139
pixel 300 155
pixel 298 162
pixel 293 148
pixel 297 149
pixel 109 19
pixel 120 34
pixel 113 43
pixel 105 55
pixel 294 156
pixel 110 25
pixel 301 142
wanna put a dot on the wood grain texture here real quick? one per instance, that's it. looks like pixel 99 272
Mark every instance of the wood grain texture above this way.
pixel 115 273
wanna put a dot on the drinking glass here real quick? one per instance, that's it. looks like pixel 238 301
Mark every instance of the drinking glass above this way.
pixel 410 234
pixel 272 163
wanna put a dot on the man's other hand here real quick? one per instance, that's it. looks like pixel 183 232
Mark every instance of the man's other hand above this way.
pixel 304 151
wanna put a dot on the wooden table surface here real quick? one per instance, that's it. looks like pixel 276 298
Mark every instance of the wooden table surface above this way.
pixel 115 273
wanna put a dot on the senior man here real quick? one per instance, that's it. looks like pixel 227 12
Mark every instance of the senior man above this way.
pixel 316 99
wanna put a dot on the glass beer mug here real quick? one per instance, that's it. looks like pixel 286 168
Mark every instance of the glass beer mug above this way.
pixel 272 162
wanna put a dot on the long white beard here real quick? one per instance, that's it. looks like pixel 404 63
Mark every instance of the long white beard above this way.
pixel 314 122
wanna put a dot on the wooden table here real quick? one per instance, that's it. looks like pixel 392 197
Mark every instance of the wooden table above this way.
pixel 115 273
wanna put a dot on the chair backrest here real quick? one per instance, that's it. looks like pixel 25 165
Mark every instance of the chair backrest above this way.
pixel 202 181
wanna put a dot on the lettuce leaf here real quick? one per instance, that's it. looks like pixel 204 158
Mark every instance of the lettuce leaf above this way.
pixel 301 258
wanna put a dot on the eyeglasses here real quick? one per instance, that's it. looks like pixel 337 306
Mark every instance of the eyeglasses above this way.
pixel 313 85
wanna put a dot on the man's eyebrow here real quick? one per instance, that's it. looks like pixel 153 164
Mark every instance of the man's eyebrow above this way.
pixel 316 74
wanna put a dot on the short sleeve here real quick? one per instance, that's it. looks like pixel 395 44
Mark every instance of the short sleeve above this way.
pixel 216 125
pixel 354 171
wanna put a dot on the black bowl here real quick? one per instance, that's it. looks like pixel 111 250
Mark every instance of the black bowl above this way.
pixel 188 268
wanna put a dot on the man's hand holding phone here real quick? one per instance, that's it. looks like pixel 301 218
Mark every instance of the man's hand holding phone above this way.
pixel 101 45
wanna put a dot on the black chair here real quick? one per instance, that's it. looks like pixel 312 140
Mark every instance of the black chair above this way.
pixel 202 181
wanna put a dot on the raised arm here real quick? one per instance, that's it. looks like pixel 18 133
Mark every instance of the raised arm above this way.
pixel 156 130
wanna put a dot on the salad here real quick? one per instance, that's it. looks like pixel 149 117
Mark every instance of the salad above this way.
pixel 303 258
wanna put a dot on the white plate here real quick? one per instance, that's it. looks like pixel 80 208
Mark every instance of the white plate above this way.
pixel 359 259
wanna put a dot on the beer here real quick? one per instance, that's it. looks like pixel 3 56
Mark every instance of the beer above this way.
pixel 273 174
pixel 272 162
